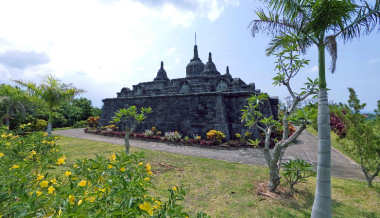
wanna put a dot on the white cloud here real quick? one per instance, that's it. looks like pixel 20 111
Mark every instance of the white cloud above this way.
pixel 88 41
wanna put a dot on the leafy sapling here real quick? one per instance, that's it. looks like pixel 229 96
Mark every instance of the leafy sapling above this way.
pixel 296 171
pixel 288 64
pixel 366 141
pixel 129 118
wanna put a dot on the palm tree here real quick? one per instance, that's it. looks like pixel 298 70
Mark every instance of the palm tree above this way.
pixel 53 92
pixel 320 23
pixel 13 100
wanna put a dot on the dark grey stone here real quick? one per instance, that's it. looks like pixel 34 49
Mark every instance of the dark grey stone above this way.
pixel 202 101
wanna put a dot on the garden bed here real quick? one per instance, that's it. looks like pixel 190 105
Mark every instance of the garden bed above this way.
pixel 230 145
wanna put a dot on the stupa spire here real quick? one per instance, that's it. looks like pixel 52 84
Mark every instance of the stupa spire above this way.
pixel 161 74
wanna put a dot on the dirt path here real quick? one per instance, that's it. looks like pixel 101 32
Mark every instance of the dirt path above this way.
pixel 306 149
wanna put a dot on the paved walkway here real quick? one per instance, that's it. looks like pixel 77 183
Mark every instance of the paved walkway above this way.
pixel 306 149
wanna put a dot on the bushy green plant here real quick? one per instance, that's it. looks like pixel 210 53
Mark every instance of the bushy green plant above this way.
pixel 114 186
pixel 40 125
pixel 81 124
pixel 296 171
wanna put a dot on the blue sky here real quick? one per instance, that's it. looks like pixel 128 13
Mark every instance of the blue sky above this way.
pixel 104 45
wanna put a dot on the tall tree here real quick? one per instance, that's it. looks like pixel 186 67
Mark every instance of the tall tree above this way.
pixel 13 100
pixel 53 92
pixel 320 23
pixel 288 65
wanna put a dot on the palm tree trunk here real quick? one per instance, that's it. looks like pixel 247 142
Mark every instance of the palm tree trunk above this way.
pixel 322 198
pixel 49 127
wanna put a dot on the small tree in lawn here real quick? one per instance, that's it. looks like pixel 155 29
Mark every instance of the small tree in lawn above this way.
pixel 288 65
pixel 129 119
pixel 366 143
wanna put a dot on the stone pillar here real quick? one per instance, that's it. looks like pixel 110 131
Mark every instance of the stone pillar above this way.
pixel 221 116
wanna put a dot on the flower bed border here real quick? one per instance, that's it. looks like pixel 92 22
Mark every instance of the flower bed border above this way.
pixel 140 136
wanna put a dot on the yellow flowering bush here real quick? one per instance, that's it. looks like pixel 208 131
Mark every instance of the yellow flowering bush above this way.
pixel 86 188
pixel 215 135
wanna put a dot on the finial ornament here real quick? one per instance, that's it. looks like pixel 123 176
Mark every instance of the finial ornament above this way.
pixel 227 70
pixel 209 57
pixel 162 65
pixel 195 40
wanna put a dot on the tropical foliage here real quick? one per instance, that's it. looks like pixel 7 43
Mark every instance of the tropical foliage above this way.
pixel 320 23
pixel 101 187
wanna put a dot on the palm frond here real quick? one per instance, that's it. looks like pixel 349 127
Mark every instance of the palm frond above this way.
pixel 271 23
pixel 331 45
pixel 289 8
pixel 364 23
pixel 299 40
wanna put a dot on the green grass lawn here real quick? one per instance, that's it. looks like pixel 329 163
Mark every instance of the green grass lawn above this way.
pixel 223 189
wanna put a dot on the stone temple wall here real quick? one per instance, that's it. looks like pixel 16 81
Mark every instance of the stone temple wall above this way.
pixel 189 114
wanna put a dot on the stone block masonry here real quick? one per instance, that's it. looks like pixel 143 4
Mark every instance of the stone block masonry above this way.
pixel 201 101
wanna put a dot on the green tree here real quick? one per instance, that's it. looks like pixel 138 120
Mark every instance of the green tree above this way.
pixel 320 23
pixel 288 65
pixel 53 92
pixel 129 119
pixel 12 99
pixel 366 143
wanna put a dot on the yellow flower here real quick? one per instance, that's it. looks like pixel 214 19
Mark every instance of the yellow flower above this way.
pixel 82 183
pixel 61 160
pixel 147 179
pixel 75 166
pixel 147 207
pixel 53 181
pixel 150 173
pixel 38 193
pixel 60 212
pixel 113 157
pixel 122 169
pixel 1 154
pixel 102 190
pixel 174 188
pixel 39 177
pixel 80 202
pixel 148 167
pixel 15 166
pixel 3 135
pixel 141 163
pixel 68 173
pixel 71 199
pixel 91 199
pixel 157 204
pixel 44 184
pixel 51 190
pixel 33 152
pixel 109 166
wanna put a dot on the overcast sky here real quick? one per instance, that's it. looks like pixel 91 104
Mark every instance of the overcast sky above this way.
pixel 104 45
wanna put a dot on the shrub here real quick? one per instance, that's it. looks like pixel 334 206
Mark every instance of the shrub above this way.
pixel 296 171
pixel 101 187
pixel 80 124
pixel 215 135
pixel 148 133
pixel 40 125
pixel 93 121
pixel 173 136
pixel 337 125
